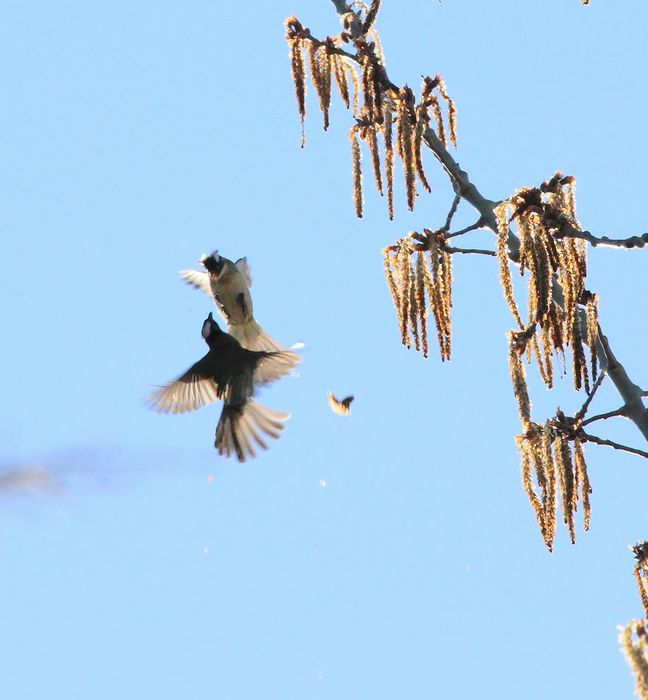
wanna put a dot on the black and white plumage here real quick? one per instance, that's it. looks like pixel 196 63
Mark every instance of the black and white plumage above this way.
pixel 228 284
pixel 230 372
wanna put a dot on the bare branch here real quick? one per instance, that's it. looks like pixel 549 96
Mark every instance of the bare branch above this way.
pixel 583 410
pixel 611 443
pixel 605 416
pixel 341 7
pixel 464 187
pixel 452 212
pixel 603 241
pixel 478 224
pixel 471 250
pixel 630 392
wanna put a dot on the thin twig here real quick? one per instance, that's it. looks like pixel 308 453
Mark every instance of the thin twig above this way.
pixel 478 224
pixel 603 241
pixel 583 409
pixel 452 212
pixel 605 416
pixel 611 443
pixel 471 250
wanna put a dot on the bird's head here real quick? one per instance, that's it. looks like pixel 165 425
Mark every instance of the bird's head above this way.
pixel 210 328
pixel 213 263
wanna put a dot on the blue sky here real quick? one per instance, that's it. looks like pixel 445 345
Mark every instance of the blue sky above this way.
pixel 390 554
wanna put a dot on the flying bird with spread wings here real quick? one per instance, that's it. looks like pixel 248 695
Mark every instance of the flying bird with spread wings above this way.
pixel 229 372
pixel 228 284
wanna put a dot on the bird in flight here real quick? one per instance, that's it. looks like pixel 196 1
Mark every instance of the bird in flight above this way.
pixel 230 372
pixel 228 284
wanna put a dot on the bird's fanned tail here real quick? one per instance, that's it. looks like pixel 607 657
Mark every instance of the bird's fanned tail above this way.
pixel 239 428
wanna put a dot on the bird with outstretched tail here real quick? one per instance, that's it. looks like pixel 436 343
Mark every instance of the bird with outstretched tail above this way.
pixel 230 372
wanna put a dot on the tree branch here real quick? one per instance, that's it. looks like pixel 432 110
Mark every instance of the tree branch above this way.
pixel 603 241
pixel 611 443
pixel 341 7
pixel 605 416
pixel 478 224
pixel 471 250
pixel 584 408
pixel 464 187
pixel 629 391
pixel 452 212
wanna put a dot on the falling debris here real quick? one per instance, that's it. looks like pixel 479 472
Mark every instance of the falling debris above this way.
pixel 341 407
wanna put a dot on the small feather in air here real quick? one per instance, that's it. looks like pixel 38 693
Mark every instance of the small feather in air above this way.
pixel 341 407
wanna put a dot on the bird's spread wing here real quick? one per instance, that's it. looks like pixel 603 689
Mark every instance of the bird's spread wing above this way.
pixel 242 267
pixel 199 280
pixel 195 388
pixel 275 365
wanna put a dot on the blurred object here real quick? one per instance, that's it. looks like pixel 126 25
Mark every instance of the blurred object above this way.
pixel 29 479
pixel 48 475
pixel 340 407
pixel 97 468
